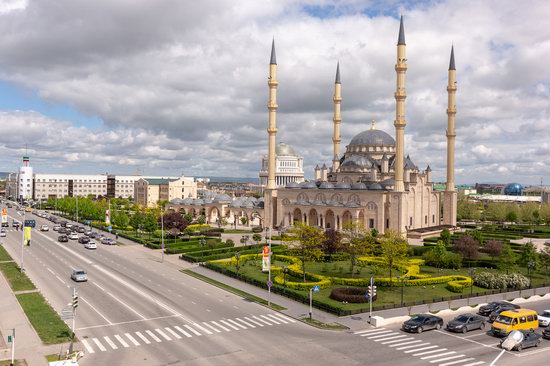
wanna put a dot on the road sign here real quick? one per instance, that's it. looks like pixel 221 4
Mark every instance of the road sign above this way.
pixel 9 339
pixel 269 284
pixel 316 288
pixel 30 223
pixel 109 228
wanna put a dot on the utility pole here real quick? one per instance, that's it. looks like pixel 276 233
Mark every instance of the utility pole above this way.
pixel 12 347
pixel 74 304
pixel 269 273
pixel 76 209
pixel 162 236
pixel 22 239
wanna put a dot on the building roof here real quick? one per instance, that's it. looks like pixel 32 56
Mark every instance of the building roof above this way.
pixel 273 60
pixel 372 137
pixel 452 62
pixel 401 39
pixel 158 181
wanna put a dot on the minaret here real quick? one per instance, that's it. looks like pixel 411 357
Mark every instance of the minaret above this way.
pixel 272 128
pixel 450 194
pixel 400 123
pixel 337 119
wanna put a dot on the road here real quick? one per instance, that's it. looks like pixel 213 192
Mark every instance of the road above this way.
pixel 136 310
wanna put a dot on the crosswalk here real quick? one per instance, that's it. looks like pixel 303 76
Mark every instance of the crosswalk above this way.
pixel 411 346
pixel 182 331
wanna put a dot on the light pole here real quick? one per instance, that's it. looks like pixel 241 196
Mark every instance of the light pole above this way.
pixel 237 256
pixel 530 267
pixel 471 272
pixel 161 236
pixel 402 279
pixel 22 240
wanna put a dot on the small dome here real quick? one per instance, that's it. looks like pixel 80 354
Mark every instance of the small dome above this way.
pixel 198 201
pixel 373 137
pixel 292 185
pixel 376 186
pixel 513 189
pixel 354 162
pixel 177 201
pixel 187 201
pixel 222 197
pixel 248 204
pixel 326 185
pixel 358 186
pixel 284 149
pixel 388 182
pixel 308 185
pixel 342 186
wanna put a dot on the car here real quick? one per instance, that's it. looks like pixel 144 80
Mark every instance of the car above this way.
pixel 73 236
pixel 544 318
pixel 500 309
pixel 95 235
pixel 16 224
pixel 68 226
pixel 44 228
pixel 62 230
pixel 88 233
pixel 62 238
pixel 79 275
pixel 466 322
pixel 56 227
pixel 422 322
pixel 81 230
pixel 9 205
pixel 546 333
pixel 90 245
pixel 83 240
pixel 520 339
pixel 486 310
pixel 63 223
pixel 2 233
pixel 107 241
pixel 5 224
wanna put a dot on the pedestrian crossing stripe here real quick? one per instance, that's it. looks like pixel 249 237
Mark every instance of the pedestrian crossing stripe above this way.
pixel 158 335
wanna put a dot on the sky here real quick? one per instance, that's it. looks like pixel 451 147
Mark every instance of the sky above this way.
pixel 171 87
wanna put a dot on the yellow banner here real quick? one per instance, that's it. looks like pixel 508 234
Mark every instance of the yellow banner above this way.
pixel 28 235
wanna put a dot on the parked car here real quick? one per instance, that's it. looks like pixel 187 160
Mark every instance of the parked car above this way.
pixel 466 322
pixel 83 240
pixel 88 233
pixel 108 241
pixel 81 230
pixel 520 339
pixel 73 236
pixel 546 333
pixel 44 228
pixel 422 322
pixel 62 238
pixel 544 318
pixel 500 309
pixel 486 310
pixel 2 233
pixel 56 227
pixel 90 245
pixel 518 319
pixel 79 275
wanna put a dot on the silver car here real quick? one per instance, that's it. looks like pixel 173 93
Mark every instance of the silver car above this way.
pixel 79 275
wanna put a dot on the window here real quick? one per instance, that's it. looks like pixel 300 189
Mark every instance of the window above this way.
pixel 371 223
pixel 426 219
pixel 433 219
pixel 529 318
pixel 387 223
pixel 522 319
pixel 411 221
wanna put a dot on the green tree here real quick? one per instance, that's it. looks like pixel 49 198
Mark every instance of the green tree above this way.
pixel 544 259
pixel 150 223
pixel 393 250
pixel 507 258
pixel 528 255
pixel 120 219
pixel 136 220
pixel 257 238
pixel 544 213
pixel 306 241
pixel 201 219
pixel 356 241
pixel 445 237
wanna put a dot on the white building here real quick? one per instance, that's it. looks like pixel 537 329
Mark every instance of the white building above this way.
pixel 148 191
pixel 289 166
pixel 25 181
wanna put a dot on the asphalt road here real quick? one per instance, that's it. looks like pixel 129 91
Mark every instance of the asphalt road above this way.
pixel 135 310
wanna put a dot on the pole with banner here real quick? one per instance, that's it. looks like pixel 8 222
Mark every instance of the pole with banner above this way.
pixel 22 242
pixel 370 298
pixel 4 216
pixel 12 340
pixel 27 233
pixel 74 304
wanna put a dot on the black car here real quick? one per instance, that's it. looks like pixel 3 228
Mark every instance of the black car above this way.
pixel 83 240
pixel 81 230
pixel 486 310
pixel 530 339
pixel 422 322
pixel 62 239
pixel 15 224
pixel 546 333
pixel 503 307
pixel 62 230
pixel 466 322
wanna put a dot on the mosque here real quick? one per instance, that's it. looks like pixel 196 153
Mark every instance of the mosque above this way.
pixel 373 183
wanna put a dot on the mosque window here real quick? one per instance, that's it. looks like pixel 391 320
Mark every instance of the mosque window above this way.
pixel 387 223
pixel 371 223
pixel 433 219
pixel 411 221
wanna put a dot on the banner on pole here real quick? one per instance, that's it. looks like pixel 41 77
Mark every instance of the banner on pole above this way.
pixel 27 235
pixel 4 216
pixel 265 259
pixel 107 216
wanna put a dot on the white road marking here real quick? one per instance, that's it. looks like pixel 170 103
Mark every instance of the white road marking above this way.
pixel 459 361
pixel 174 334
pixel 132 339
pixel 269 319
pixel 183 332
pixel 254 321
pixel 87 346
pixel 229 325
pixel 59 278
pixel 202 328
pixel 414 345
pixel 236 307
pixel 404 343
pixel 163 335
pixel 369 331
pixel 390 337
pixel 438 355
pixel 277 319
pixel 245 323
pixel 121 341
pixel 237 324
pixel 221 326
pixel 383 335
pixel 123 303
pixel 447 358
pixel 377 333
pixel 97 311
pixel 396 341
pixel 99 345
pixel 110 343
pixel 49 270
pixel 426 352
pixel 128 322
pixel 285 317
pixel 475 363
pixel 211 327
pixel 192 329
pixel 261 320
pixel 152 335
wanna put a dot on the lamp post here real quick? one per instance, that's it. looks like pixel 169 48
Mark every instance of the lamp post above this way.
pixel 471 272
pixel 238 256
pixel 285 272
pixel 402 279
pixel 162 236
pixel 530 267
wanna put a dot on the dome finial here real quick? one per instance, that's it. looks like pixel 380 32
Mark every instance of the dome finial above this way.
pixel 373 125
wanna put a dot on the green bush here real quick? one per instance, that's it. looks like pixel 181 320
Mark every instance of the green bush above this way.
pixel 257 229
pixel 500 281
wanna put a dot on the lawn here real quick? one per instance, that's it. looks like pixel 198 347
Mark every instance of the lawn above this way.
pixel 4 256
pixel 46 322
pixel 18 281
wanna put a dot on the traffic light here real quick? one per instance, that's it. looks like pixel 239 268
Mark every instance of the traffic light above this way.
pixel 75 301
pixel 371 290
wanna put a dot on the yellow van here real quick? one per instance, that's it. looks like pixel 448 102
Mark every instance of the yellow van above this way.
pixel 518 319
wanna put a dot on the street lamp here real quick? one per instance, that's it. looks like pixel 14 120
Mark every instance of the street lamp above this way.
pixel 471 272
pixel 238 256
pixel 285 272
pixel 530 267
pixel 402 279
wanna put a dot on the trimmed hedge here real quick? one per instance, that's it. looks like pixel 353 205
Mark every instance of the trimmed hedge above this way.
pixel 350 294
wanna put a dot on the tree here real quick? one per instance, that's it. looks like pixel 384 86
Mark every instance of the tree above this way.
pixel 150 223
pixel 257 238
pixel 120 219
pixel 493 248
pixel 331 243
pixel 544 213
pixel 356 241
pixel 528 255
pixel 306 241
pixel 244 220
pixel 445 237
pixel 544 259
pixel 136 220
pixel 394 250
pixel 467 246
pixel 511 216
pixel 201 219
pixel 188 217
pixel 173 220
pixel 507 258
pixel 467 210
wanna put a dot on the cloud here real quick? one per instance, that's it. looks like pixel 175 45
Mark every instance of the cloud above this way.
pixel 185 88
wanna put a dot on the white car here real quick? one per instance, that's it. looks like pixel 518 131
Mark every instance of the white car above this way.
pixel 2 234
pixel 90 245
pixel 73 236
pixel 44 228
pixel 56 227
pixel 544 318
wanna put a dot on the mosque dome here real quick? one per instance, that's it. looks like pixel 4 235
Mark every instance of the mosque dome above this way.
pixel 284 149
pixel 513 189
pixel 373 137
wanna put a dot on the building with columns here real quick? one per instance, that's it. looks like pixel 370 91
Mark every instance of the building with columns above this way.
pixel 289 166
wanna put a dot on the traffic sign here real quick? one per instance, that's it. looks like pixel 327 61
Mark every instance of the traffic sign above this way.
pixel 109 228
pixel 9 339
pixel 316 288
pixel 269 284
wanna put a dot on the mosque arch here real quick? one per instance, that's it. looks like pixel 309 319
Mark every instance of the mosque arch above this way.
pixel 337 197
pixel 347 218
pixel 302 197
pixel 330 220
pixel 213 214
pixel 313 217
pixel 354 198
pixel 297 216
pixel 286 201
pixel 320 197
pixel 371 206
pixel 347 180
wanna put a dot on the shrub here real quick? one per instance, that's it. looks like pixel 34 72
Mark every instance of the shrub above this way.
pixel 230 242
pixel 257 229
pixel 500 281
pixel 350 294
pixel 197 227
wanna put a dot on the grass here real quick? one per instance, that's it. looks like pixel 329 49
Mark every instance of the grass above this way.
pixel 243 294
pixel 18 281
pixel 321 325
pixel 46 322
pixel 8 362
pixel 4 256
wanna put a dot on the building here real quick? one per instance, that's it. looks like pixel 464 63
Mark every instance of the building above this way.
pixel 149 191
pixel 289 166
pixel 373 183
pixel 25 185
